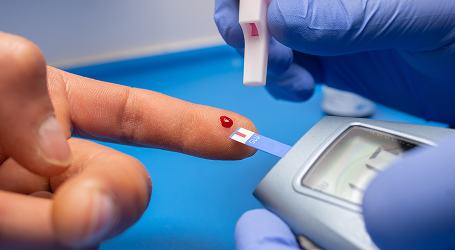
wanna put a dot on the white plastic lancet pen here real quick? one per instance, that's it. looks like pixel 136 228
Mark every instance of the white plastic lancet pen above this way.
pixel 253 19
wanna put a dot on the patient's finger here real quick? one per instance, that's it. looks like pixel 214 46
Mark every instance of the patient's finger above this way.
pixel 110 112
pixel 102 194
pixel 26 223
pixel 17 179
pixel 29 132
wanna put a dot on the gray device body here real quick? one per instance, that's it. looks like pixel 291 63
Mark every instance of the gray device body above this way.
pixel 327 221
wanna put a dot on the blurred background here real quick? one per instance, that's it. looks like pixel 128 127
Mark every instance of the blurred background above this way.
pixel 86 32
pixel 173 47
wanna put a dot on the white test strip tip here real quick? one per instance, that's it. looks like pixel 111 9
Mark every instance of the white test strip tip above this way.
pixel 260 142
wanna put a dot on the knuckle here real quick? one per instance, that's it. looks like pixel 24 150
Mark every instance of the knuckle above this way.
pixel 188 140
pixel 130 117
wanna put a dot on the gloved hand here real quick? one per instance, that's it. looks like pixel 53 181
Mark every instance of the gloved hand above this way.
pixel 260 229
pixel 409 206
pixel 398 53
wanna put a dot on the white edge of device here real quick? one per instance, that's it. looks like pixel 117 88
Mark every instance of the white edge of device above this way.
pixel 253 19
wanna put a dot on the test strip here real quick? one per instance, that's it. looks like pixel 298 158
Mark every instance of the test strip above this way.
pixel 260 142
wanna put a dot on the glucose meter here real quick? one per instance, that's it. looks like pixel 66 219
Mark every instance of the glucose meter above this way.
pixel 317 186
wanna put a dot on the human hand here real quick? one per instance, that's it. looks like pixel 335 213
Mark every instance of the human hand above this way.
pixel 94 192
pixel 397 53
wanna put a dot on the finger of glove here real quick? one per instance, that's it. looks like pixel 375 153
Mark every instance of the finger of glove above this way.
pixel 336 27
pixel 227 20
pixel 114 113
pixel 262 230
pixel 411 204
pixel 311 64
pixel 102 194
pixel 296 84
pixel 279 59
pixel 29 132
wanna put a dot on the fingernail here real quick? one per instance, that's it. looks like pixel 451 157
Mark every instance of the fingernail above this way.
pixel 53 144
pixel 102 220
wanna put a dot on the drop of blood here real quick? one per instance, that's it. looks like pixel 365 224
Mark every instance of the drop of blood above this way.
pixel 226 121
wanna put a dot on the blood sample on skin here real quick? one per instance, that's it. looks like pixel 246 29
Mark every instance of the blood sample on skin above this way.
pixel 226 121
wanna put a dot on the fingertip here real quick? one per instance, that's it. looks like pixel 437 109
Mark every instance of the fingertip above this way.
pixel 208 138
pixel 25 132
pixel 241 151
pixel 104 194
pixel 23 57
pixel 85 216
pixel 262 220
pixel 53 145
pixel 376 211
pixel 261 229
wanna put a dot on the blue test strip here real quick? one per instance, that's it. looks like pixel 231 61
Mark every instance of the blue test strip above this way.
pixel 260 142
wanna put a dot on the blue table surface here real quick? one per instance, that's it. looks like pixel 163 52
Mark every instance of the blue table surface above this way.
pixel 195 202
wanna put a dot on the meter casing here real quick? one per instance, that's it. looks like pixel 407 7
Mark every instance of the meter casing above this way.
pixel 329 222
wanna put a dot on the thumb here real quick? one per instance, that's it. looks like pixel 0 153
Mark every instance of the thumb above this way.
pixel 29 132
pixel 337 27
pixel 410 205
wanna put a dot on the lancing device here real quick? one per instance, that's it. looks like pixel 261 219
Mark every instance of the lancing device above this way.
pixel 253 19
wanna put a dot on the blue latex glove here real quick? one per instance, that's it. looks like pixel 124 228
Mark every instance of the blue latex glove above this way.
pixel 411 205
pixel 262 230
pixel 399 53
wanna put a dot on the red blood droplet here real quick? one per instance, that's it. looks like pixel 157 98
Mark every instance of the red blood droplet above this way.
pixel 226 121
pixel 254 30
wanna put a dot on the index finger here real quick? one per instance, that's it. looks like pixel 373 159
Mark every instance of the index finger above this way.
pixel 114 113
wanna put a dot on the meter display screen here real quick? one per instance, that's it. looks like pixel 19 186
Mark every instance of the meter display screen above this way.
pixel 353 160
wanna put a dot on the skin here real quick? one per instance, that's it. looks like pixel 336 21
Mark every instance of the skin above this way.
pixel 51 204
